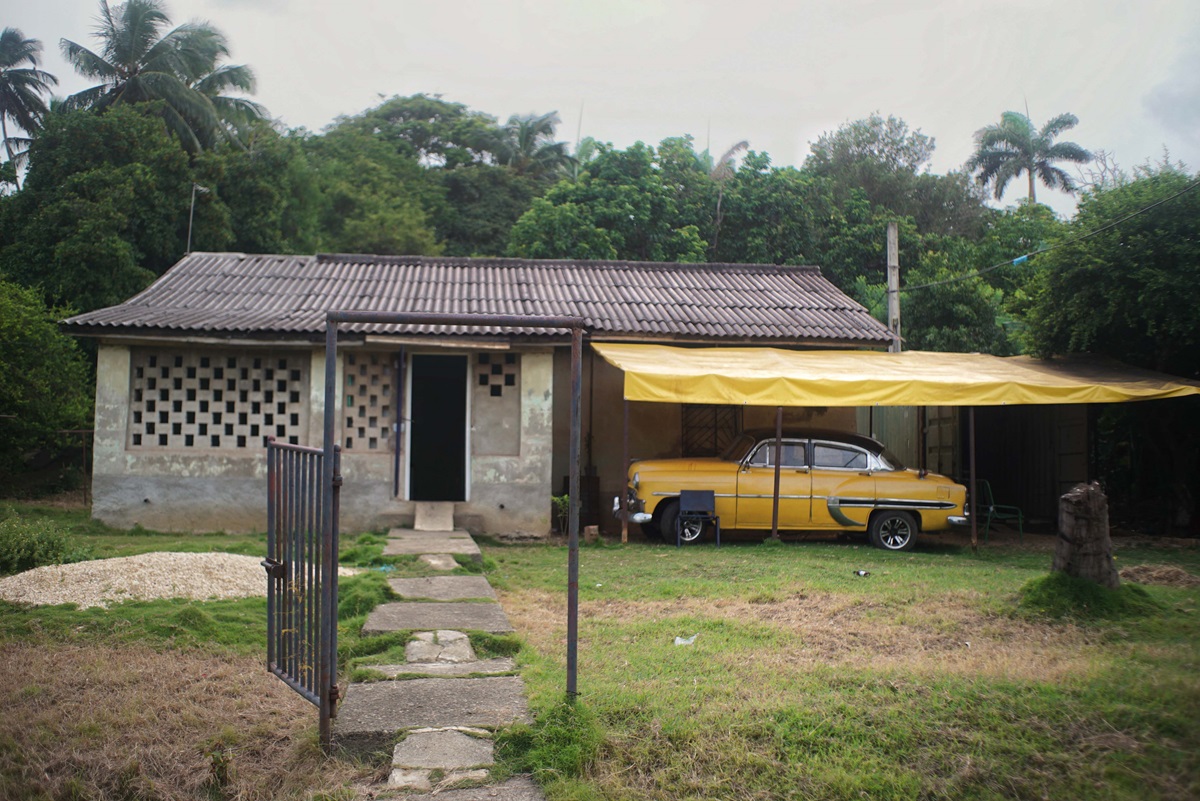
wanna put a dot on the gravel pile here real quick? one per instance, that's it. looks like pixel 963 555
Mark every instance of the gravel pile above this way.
pixel 145 577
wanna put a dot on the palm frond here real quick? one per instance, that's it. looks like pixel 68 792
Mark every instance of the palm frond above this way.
pixel 1068 151
pixel 87 63
pixel 723 169
pixel 1063 122
pixel 87 98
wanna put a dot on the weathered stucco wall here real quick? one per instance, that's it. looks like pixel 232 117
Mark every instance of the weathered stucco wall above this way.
pixel 209 489
pixel 512 444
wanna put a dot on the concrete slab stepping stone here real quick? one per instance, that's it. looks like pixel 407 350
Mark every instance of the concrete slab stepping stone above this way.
pixel 498 665
pixel 518 788
pixel 373 712
pixel 439 561
pixel 439 646
pixel 402 541
pixel 429 616
pixel 443 588
pixel 448 749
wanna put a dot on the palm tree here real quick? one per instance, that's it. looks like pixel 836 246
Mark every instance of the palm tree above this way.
pixel 1014 145
pixel 21 90
pixel 527 145
pixel 140 60
pixel 720 172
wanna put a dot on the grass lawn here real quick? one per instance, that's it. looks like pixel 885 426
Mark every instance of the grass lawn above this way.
pixel 921 680
pixel 924 679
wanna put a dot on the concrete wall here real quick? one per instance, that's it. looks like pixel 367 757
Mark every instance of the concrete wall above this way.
pixel 209 489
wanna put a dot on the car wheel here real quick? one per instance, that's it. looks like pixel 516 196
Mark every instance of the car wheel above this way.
pixel 692 531
pixel 652 529
pixel 893 531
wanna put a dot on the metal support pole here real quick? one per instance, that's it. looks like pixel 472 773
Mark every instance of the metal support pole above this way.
pixel 778 452
pixel 974 494
pixel 625 476
pixel 327 670
pixel 573 537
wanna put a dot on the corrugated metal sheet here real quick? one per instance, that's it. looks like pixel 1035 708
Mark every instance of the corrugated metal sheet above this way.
pixel 238 294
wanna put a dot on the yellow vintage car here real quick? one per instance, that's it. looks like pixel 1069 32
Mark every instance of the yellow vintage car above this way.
pixel 831 481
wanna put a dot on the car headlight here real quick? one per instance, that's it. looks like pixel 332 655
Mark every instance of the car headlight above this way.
pixel 635 480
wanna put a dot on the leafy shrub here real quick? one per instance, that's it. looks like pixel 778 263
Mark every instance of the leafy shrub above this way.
pixel 26 544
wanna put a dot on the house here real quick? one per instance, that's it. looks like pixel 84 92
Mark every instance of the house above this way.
pixel 225 350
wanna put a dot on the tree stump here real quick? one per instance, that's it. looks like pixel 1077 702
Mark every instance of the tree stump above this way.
pixel 1084 548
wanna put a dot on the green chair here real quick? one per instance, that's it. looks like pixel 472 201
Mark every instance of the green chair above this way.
pixel 999 512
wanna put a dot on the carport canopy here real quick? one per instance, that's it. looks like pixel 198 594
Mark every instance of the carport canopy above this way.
pixel 777 377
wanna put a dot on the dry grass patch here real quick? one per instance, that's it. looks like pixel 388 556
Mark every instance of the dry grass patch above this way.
pixel 1164 575
pixel 950 635
pixel 131 722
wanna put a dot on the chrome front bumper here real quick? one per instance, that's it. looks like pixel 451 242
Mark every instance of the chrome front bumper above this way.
pixel 636 517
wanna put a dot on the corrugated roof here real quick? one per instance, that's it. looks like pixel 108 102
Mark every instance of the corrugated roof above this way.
pixel 231 294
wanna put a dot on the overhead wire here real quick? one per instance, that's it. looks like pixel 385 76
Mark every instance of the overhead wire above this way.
pixel 1022 259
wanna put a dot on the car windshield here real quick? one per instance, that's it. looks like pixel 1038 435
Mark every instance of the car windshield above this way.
pixel 738 449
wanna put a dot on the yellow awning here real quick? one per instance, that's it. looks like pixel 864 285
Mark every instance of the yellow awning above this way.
pixel 776 377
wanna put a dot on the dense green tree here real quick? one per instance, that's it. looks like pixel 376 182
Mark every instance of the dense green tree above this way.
pixel 373 198
pixel 268 189
pixel 104 208
pixel 948 313
pixel 22 86
pixel 481 204
pixel 140 60
pixel 433 131
pixel 771 215
pixel 618 209
pixel 1014 145
pixel 887 163
pixel 43 377
pixel 1129 291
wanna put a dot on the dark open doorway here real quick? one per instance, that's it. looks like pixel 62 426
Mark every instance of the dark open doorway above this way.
pixel 438 444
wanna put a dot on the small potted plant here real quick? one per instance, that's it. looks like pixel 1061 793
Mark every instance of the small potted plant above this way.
pixel 561 505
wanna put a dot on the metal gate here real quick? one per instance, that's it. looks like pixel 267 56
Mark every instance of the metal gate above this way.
pixel 301 567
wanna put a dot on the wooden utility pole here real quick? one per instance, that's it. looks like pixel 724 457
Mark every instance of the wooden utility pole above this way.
pixel 893 284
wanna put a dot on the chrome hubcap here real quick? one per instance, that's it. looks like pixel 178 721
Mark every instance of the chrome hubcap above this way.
pixel 895 532
pixel 690 531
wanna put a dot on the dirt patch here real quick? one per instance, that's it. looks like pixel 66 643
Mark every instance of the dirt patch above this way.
pixel 1165 575
pixel 98 722
pixel 949 636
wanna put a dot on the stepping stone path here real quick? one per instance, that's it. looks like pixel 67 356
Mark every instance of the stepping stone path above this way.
pixel 444 704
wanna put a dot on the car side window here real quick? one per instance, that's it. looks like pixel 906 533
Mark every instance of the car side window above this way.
pixel 839 457
pixel 791 455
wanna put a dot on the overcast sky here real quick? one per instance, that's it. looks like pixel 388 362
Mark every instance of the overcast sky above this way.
pixel 775 73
